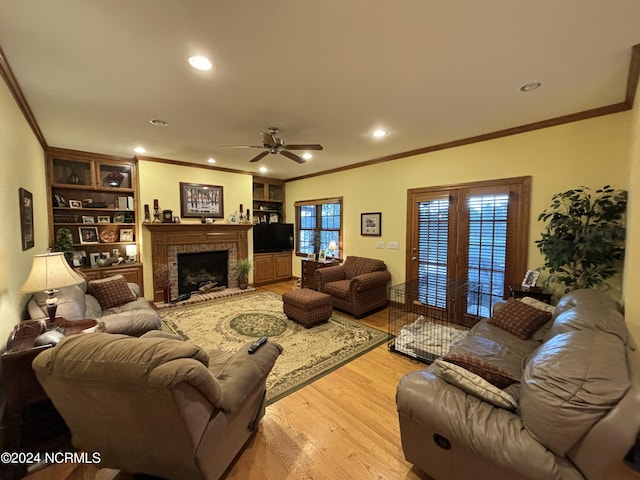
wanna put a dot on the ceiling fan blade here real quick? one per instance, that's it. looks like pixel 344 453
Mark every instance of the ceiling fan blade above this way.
pixel 311 146
pixel 260 156
pixel 292 156
pixel 240 146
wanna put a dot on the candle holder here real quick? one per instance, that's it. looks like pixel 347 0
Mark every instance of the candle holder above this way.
pixel 156 215
pixel 147 215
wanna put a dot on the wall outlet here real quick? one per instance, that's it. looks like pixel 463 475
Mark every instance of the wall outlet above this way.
pixel 379 244
pixel 394 245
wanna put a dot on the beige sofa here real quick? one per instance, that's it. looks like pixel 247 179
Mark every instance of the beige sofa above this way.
pixel 571 409
pixel 113 301
pixel 155 405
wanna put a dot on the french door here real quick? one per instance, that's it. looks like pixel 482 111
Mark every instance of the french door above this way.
pixel 469 236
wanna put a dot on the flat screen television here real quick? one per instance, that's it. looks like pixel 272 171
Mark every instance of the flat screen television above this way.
pixel 272 237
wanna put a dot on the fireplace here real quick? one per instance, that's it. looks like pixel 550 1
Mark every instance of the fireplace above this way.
pixel 202 268
pixel 168 240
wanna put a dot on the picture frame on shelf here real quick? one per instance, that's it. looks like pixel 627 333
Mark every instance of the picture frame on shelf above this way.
pixel 88 234
pixel 126 234
pixel 198 199
pixel 530 279
pixel 371 224
pixel 88 219
pixel 75 204
pixel 118 218
pixel 79 258
pixel 104 219
pixel 322 256
pixel 93 259
pixel 26 218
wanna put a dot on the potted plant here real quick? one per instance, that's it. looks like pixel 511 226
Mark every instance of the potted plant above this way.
pixel 583 241
pixel 64 243
pixel 242 269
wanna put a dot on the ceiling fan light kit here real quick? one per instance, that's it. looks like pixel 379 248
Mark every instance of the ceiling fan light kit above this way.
pixel 273 144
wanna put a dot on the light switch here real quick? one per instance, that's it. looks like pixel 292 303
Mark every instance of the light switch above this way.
pixel 394 245
pixel 379 244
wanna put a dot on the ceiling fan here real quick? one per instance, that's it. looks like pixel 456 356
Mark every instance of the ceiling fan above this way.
pixel 271 143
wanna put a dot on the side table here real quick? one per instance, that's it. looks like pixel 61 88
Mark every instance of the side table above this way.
pixel 30 422
pixel 533 292
pixel 309 267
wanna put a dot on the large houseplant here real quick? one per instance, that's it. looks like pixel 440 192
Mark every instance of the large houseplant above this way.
pixel 583 241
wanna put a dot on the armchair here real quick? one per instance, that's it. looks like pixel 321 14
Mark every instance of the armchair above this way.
pixel 157 405
pixel 358 286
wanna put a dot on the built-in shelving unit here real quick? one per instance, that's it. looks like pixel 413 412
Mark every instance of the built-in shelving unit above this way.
pixel 268 200
pixel 94 197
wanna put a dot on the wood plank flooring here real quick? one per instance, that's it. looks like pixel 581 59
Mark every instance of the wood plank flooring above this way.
pixel 342 426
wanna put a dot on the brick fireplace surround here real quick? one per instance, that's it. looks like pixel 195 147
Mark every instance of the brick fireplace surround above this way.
pixel 170 239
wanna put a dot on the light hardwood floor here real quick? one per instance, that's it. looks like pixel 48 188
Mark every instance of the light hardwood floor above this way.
pixel 342 426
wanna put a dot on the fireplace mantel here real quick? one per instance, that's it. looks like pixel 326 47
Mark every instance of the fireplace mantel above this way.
pixel 166 237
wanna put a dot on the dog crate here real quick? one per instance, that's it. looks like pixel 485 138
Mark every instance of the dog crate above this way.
pixel 427 318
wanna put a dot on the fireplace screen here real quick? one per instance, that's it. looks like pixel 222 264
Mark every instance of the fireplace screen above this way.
pixel 203 269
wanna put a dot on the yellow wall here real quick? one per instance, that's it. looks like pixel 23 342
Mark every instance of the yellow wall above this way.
pixel 22 162
pixel 632 258
pixel 162 181
pixel 593 152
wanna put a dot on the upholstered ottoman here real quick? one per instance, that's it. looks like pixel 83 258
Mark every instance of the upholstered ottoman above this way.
pixel 307 307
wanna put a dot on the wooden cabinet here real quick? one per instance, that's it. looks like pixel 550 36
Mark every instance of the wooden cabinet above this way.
pixel 309 267
pixel 93 198
pixel 271 267
pixel 131 272
pixel 268 200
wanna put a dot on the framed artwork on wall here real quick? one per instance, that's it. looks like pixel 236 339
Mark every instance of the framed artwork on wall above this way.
pixel 371 224
pixel 198 200
pixel 26 218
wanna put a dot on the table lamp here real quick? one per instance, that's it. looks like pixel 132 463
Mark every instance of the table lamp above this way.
pixel 50 271
pixel 131 251
pixel 332 248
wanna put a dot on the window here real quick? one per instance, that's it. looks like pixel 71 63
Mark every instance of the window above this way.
pixel 318 223
pixel 474 234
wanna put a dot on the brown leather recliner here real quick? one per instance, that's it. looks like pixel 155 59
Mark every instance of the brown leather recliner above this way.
pixel 156 405
pixel 358 286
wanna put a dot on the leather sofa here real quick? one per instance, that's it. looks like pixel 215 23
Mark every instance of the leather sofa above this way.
pixel 157 405
pixel 358 286
pixel 113 301
pixel 571 409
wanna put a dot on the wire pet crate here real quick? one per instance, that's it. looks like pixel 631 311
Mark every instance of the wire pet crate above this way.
pixel 427 319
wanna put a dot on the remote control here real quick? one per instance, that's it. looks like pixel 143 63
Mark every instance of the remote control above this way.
pixel 257 344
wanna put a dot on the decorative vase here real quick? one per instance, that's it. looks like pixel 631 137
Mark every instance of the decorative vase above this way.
pixel 243 283
pixel 73 177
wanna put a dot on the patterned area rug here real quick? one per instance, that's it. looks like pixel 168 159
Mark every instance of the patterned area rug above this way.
pixel 308 354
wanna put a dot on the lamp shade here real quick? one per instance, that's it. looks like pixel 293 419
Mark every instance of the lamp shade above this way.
pixel 50 271
pixel 332 245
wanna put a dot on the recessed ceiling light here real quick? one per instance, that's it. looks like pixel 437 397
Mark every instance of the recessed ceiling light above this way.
pixel 139 150
pixel 200 63
pixel 307 156
pixel 263 169
pixel 158 123
pixel 379 133
pixel 531 86
pixel 212 160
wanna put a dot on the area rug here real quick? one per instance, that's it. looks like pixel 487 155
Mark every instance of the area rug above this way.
pixel 308 354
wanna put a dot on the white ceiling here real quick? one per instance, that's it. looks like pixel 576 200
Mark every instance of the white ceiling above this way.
pixel 94 72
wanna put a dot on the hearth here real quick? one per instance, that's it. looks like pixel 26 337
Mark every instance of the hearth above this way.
pixel 202 269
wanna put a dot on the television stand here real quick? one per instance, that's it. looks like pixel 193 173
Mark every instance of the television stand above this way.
pixel 271 267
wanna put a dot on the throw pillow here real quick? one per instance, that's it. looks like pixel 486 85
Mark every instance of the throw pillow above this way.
pixel 490 372
pixel 519 318
pixel 474 385
pixel 111 291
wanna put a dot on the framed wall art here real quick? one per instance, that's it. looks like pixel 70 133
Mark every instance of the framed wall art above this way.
pixel 371 224
pixel 197 200
pixel 26 218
